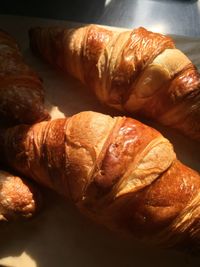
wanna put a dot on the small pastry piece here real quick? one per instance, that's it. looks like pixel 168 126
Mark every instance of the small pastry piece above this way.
pixel 19 199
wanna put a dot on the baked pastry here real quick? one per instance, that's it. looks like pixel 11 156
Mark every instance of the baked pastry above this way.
pixel 21 89
pixel 118 171
pixel 135 71
pixel 19 199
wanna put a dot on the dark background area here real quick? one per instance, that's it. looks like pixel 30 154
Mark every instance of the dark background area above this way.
pixel 169 16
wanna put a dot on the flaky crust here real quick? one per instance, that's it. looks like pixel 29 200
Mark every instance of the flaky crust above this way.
pixel 21 90
pixel 19 199
pixel 117 171
pixel 136 71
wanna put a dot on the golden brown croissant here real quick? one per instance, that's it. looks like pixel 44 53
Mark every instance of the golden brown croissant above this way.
pixel 21 90
pixel 135 71
pixel 118 171
pixel 18 198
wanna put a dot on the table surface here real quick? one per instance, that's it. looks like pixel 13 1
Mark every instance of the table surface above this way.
pixel 180 17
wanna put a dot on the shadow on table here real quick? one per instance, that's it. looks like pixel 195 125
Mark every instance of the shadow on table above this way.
pixel 60 236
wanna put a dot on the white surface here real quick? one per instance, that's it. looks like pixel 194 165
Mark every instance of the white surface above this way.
pixel 60 236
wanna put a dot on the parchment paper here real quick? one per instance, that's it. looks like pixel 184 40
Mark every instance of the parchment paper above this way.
pixel 59 236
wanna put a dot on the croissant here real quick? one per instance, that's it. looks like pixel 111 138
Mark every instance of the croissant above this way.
pixel 118 171
pixel 21 90
pixel 135 71
pixel 18 198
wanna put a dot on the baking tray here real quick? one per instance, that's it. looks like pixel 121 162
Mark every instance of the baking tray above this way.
pixel 59 236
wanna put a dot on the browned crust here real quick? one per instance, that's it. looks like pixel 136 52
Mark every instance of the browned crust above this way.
pixel 134 71
pixel 21 89
pixel 118 171
pixel 139 51
pixel 128 140
pixel 18 198
pixel 159 204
